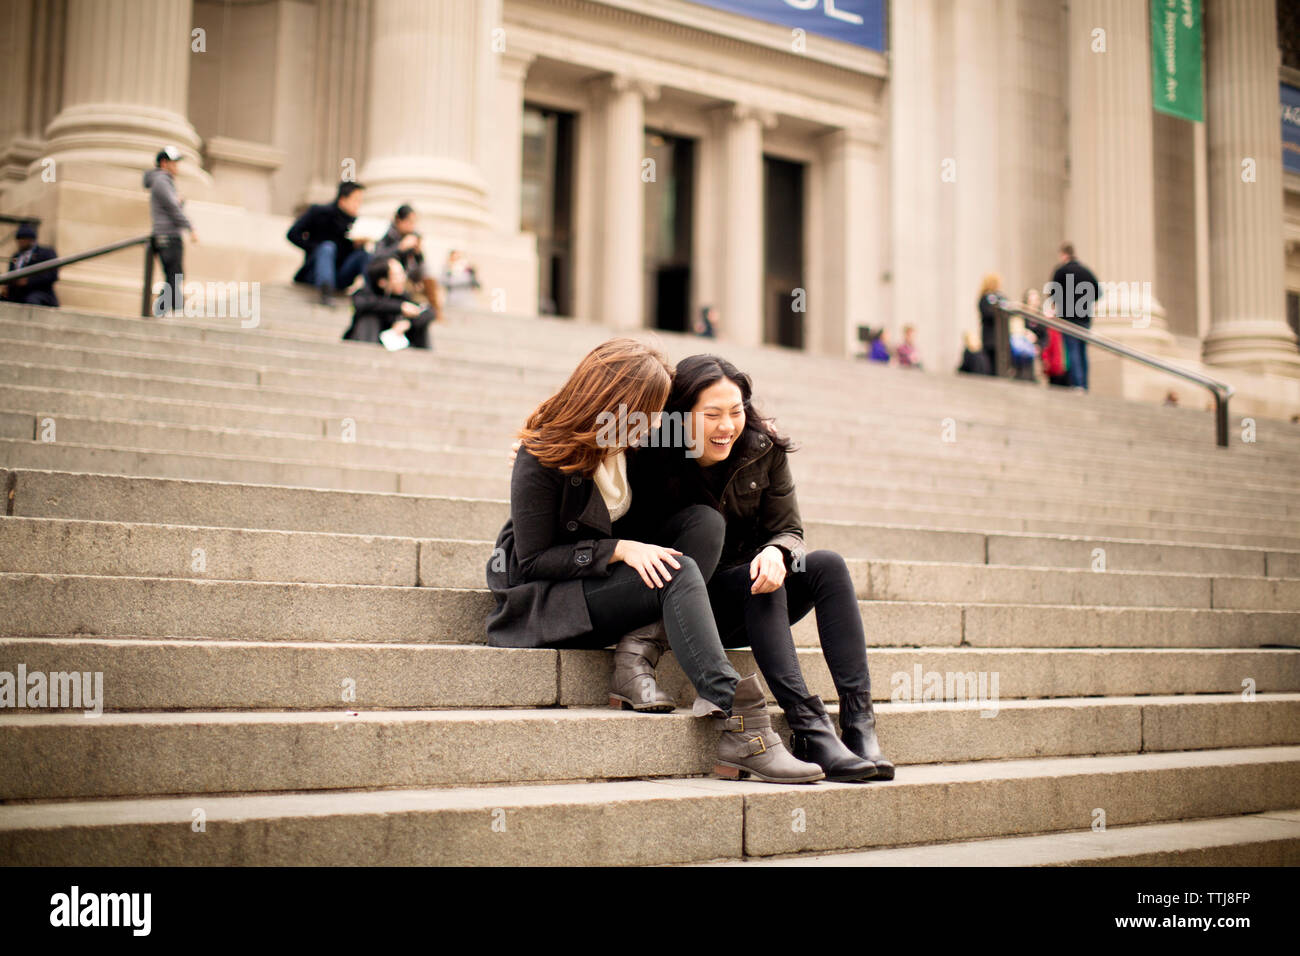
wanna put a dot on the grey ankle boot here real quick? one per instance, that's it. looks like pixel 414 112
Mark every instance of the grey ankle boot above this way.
pixel 748 745
pixel 635 658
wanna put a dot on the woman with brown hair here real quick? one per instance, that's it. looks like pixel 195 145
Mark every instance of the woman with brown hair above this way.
pixel 564 577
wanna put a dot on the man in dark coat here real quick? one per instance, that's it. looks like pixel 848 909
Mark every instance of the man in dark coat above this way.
pixel 332 261
pixel 37 289
pixel 1074 294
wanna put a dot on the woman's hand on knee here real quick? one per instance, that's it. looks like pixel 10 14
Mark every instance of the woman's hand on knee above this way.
pixel 648 560
pixel 767 570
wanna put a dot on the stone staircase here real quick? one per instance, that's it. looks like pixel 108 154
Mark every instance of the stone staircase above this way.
pixel 271 544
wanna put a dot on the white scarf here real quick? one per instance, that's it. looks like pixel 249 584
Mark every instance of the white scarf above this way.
pixel 611 482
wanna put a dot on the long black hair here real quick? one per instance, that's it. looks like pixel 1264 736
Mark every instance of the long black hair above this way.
pixel 695 373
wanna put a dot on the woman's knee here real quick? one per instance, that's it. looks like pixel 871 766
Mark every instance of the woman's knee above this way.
pixel 826 564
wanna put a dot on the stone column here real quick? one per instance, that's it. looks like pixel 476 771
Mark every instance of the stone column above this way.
pixel 1247 272
pixel 125 84
pixel 740 221
pixel 851 263
pixel 432 83
pixel 506 164
pixel 1111 212
pixel 620 100
pixel 338 99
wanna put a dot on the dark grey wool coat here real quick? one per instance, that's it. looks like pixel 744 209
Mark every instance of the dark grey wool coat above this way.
pixel 558 533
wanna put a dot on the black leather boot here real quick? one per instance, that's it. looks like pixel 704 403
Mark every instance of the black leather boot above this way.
pixel 858 722
pixel 813 739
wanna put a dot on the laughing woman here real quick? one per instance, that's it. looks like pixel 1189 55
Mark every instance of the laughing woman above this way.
pixel 564 575
pixel 765 580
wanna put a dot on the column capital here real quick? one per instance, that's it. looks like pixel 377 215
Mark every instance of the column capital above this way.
pixel 744 112
pixel 514 64
pixel 610 83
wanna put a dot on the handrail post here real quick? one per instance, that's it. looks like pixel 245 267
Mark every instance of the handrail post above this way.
pixel 146 295
pixel 1221 418
pixel 1001 341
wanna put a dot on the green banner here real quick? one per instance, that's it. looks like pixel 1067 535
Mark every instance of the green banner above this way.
pixel 1176 58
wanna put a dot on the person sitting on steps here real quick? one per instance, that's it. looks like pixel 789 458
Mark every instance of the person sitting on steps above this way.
pixel 564 575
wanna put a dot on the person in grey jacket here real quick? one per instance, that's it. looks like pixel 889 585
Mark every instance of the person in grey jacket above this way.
pixel 169 223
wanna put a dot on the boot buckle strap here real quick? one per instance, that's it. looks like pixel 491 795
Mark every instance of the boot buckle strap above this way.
pixel 736 724
pixel 762 746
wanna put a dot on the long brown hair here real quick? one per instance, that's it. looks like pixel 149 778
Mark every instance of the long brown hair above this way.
pixel 562 431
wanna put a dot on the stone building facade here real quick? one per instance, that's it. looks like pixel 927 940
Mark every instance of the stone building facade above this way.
pixel 631 161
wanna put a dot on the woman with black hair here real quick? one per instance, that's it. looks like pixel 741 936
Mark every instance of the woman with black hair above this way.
pixel 713 448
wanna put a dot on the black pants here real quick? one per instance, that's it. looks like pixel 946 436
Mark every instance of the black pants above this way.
pixel 171 253
pixel 622 602
pixel 763 622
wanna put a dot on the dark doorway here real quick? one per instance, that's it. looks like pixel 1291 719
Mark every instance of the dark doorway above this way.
pixel 783 285
pixel 668 227
pixel 546 203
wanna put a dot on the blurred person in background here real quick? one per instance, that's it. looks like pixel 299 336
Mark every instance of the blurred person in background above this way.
pixel 974 361
pixel 990 295
pixel 333 261
pixel 907 354
pixel 402 242
pixel 880 348
pixel 383 311
pixel 37 289
pixel 1074 295
pixel 168 224
pixel 707 325
pixel 460 280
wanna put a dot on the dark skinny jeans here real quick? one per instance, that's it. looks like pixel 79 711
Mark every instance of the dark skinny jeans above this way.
pixel 621 602
pixel 763 622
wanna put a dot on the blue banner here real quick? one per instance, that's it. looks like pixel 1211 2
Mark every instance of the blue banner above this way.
pixel 1290 109
pixel 860 22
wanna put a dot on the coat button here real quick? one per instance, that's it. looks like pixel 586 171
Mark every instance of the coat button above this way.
pixel 575 481
pixel 753 484
pixel 583 558
pixel 572 526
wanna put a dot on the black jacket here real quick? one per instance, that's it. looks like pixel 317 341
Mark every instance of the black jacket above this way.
pixel 757 497
pixel 558 533
pixel 324 222
pixel 370 302
pixel 40 285
pixel 1071 278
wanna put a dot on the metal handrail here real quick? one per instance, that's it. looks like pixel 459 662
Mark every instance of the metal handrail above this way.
pixel 61 261
pixel 1221 391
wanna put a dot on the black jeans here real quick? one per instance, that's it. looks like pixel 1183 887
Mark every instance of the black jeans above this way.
pixel 763 622
pixel 171 253
pixel 622 602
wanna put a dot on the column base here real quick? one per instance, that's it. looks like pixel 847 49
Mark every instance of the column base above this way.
pixel 117 134
pixel 1261 346
pixel 447 193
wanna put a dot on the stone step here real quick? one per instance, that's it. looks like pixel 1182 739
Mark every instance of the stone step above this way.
pixel 87 605
pixel 651 822
pixel 277 675
pixel 448 479
pixel 61 494
pixel 823 478
pixel 1254 839
pixel 326 401
pixel 89 414
pixel 489 365
pixel 76 546
pixel 60 756
pixel 530 340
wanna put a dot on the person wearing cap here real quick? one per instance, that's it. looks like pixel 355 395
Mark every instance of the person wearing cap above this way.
pixel 169 224
pixel 36 289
